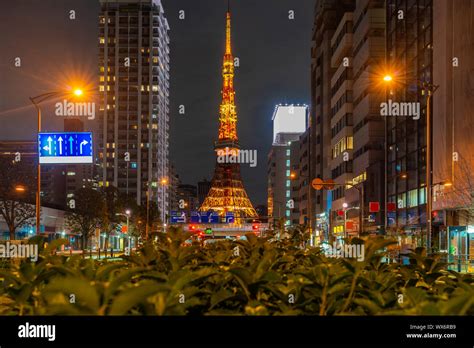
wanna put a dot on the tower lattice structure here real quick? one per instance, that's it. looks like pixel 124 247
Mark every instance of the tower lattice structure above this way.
pixel 227 193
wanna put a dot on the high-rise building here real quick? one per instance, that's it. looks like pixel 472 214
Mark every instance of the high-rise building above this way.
pixel 285 178
pixel 227 193
pixel 453 127
pixel 357 129
pixel 328 14
pixel 410 58
pixel 134 109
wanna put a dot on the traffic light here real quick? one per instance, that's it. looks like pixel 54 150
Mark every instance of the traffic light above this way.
pixel 192 228
pixel 255 227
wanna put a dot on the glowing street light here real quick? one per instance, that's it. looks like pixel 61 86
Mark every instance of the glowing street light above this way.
pixel 36 102
pixel 388 78
pixel 78 92
pixel 20 188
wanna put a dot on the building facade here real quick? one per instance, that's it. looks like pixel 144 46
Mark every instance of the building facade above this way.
pixel 134 110
pixel 453 126
pixel 328 15
pixel 410 59
pixel 285 179
pixel 53 177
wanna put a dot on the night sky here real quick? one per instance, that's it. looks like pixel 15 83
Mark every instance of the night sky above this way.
pixel 274 54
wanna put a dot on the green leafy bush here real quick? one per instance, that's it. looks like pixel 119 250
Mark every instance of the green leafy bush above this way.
pixel 257 276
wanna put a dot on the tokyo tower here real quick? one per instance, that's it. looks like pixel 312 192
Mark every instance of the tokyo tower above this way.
pixel 227 193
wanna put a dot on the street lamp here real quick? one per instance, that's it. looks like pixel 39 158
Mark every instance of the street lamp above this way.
pixel 164 182
pixel 36 102
pixel 346 209
pixel 430 89
pixel 127 215
pixel 20 188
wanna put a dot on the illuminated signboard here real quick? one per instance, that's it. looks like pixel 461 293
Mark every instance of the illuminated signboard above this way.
pixel 63 148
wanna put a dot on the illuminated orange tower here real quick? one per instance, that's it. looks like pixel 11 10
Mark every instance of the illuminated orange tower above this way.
pixel 227 193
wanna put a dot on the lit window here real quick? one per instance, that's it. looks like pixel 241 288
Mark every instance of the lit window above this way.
pixel 288 183
pixel 288 213
pixel 288 194
pixel 288 172
pixel 422 196
pixel 102 40
pixel 101 88
pixel 350 143
pixel 71 173
pixel 413 198
pixel 288 152
pixel 287 163
pixel 155 88
pixel 134 165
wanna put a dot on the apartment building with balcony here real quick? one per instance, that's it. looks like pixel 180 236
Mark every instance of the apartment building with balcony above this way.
pixel 134 88
pixel 357 129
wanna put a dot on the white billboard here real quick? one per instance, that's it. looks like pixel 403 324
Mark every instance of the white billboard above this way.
pixel 289 119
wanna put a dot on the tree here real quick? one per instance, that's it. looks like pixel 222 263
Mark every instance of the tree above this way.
pixel 87 214
pixel 109 219
pixel 139 220
pixel 16 194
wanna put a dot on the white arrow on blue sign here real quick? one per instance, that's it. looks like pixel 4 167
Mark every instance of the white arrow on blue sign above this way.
pixel 63 148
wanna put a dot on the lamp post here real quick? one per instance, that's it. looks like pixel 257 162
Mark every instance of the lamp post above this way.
pixel 127 216
pixel 428 88
pixel 346 209
pixel 164 182
pixel 36 102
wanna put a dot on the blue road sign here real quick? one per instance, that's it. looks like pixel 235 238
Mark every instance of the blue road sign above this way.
pixel 61 148
pixel 178 217
pixel 195 217
pixel 205 217
pixel 229 217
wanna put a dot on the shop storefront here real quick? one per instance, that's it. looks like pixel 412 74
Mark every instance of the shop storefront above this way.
pixel 461 248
